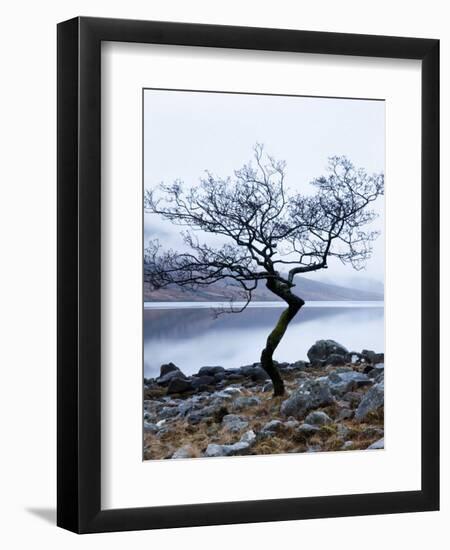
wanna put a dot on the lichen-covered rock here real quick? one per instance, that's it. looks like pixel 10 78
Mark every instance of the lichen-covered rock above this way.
pixel 179 385
pixel 168 367
pixel 319 353
pixel 184 452
pixel 343 382
pixel 312 394
pixel 317 418
pixel 234 423
pixel 242 447
pixel 210 371
pixel 372 401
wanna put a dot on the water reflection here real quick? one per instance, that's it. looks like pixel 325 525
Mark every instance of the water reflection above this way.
pixel 194 337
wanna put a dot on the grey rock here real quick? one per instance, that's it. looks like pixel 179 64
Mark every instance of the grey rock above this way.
pixel 300 365
pixel 168 412
pixel 243 402
pixel 242 447
pixel 150 428
pixel 376 370
pixel 372 357
pixel 179 385
pixel 335 359
pixel 210 371
pixel 166 368
pixel 323 349
pixel 274 427
pixel 344 414
pixel 184 452
pixel 377 445
pixel 172 375
pixel 234 423
pixel 259 375
pixel 268 387
pixel 312 394
pixel 308 429
pixel 199 382
pixel 318 418
pixel 347 446
pixel 343 382
pixel 372 401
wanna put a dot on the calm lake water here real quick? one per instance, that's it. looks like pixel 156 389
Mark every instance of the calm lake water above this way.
pixel 189 334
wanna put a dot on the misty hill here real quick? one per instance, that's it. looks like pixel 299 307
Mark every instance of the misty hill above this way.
pixel 219 292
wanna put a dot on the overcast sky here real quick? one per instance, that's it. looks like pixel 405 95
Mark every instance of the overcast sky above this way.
pixel 186 133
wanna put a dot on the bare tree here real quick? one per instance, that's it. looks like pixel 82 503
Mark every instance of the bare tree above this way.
pixel 268 234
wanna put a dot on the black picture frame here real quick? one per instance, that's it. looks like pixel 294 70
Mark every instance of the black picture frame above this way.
pixel 79 281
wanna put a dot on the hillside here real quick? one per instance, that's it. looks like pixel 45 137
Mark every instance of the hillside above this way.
pixel 306 288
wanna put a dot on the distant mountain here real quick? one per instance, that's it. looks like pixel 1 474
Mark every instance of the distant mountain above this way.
pixel 306 288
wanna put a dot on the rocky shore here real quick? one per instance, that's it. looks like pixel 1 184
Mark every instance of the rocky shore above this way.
pixel 333 402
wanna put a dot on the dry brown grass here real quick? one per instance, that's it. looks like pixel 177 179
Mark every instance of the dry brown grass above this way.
pixel 328 438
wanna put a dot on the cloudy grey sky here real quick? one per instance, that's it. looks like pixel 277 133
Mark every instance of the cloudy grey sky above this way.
pixel 186 133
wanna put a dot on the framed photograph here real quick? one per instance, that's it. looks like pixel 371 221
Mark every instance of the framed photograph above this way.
pixel 248 258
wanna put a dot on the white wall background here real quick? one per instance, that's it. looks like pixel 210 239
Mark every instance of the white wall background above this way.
pixel 28 274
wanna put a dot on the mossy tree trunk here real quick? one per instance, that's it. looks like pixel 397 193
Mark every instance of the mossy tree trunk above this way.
pixel 294 305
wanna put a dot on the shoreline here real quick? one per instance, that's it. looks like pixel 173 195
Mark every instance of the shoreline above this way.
pixel 333 402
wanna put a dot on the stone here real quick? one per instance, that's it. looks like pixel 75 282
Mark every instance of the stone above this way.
pixel 344 414
pixel 322 349
pixel 168 412
pixel 184 452
pixel 166 368
pixel 308 429
pixel 375 370
pixel 312 394
pixel 268 387
pixel 172 375
pixel 371 357
pixel 377 445
pixel 372 401
pixel 149 427
pixel 242 447
pixel 300 365
pixel 259 375
pixel 335 359
pixel 210 371
pixel 317 418
pixel 234 423
pixel 347 446
pixel 343 382
pixel 274 427
pixel 243 402
pixel 179 385
pixel 199 382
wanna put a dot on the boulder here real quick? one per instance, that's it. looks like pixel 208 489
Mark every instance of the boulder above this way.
pixel 319 353
pixel 372 401
pixel 274 427
pixel 179 385
pixel 241 403
pixel 200 382
pixel 343 382
pixel 336 359
pixel 184 452
pixel 312 394
pixel 166 368
pixel 234 423
pixel 317 418
pixel 210 371
pixel 165 380
pixel 151 428
pixel 372 357
pixel 168 412
pixel 375 370
pixel 307 429
pixel 242 447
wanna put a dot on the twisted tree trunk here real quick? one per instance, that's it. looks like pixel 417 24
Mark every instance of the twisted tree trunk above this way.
pixel 274 338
